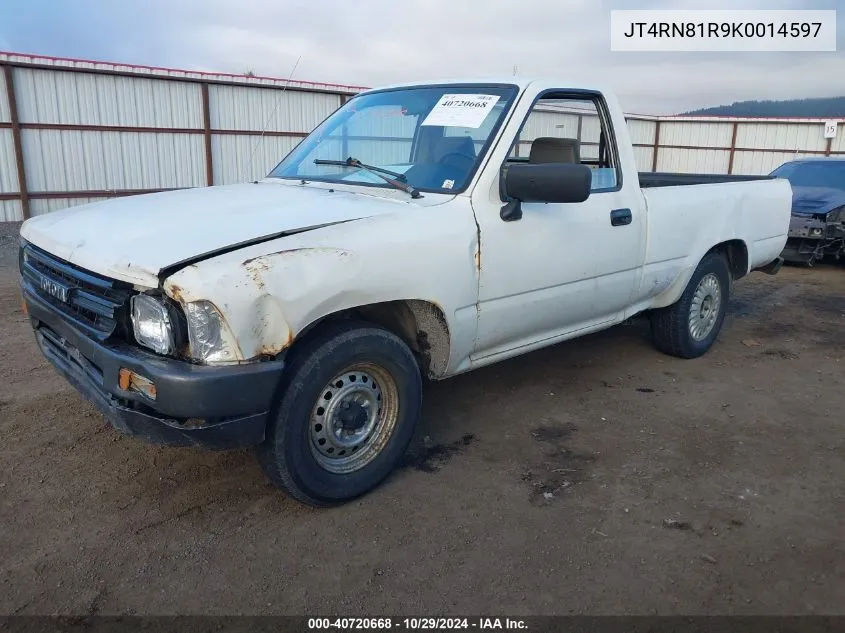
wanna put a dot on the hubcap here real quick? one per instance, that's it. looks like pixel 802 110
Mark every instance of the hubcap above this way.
pixel 705 307
pixel 353 418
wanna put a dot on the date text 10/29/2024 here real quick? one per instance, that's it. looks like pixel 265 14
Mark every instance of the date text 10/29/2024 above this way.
pixel 413 624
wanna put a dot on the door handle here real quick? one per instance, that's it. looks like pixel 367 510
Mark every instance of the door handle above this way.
pixel 621 217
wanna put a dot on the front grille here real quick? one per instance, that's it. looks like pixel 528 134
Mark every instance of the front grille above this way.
pixel 93 303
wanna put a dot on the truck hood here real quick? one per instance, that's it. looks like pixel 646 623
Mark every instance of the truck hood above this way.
pixel 134 238
pixel 810 201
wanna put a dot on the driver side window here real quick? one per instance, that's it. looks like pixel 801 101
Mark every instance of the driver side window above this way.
pixel 561 128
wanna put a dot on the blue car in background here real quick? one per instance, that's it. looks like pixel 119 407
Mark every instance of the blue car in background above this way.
pixel 817 228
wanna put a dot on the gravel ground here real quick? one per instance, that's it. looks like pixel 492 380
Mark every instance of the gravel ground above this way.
pixel 593 477
pixel 9 243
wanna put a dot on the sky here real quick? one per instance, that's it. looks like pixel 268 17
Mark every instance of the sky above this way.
pixel 375 42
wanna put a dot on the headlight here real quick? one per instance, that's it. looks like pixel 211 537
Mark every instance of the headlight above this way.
pixel 152 325
pixel 210 339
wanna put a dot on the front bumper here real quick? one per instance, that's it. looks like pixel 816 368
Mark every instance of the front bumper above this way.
pixel 195 405
pixel 812 239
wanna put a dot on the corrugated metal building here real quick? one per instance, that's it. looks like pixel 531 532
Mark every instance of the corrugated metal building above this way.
pixel 75 131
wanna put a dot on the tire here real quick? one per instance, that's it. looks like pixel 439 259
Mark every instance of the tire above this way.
pixel 339 375
pixel 675 331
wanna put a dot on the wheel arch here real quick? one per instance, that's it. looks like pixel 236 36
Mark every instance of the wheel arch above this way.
pixel 421 324
pixel 735 252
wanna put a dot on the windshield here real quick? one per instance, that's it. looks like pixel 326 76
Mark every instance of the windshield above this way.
pixel 431 138
pixel 814 174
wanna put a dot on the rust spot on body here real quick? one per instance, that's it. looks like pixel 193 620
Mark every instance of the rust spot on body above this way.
pixel 272 350
pixel 269 350
pixel 255 267
pixel 176 293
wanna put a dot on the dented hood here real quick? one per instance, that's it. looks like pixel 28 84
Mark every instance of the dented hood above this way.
pixel 134 238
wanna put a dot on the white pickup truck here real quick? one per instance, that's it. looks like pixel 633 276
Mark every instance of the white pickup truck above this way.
pixel 421 230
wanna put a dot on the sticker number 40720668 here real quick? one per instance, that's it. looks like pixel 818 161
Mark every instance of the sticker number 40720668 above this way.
pixel 461 110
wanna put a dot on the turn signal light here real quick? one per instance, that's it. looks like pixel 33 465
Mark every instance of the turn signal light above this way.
pixel 128 380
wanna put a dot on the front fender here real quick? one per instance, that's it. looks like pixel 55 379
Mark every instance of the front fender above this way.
pixel 270 293
pixel 267 299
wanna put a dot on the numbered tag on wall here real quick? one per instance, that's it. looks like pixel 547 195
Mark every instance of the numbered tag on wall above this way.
pixel 830 129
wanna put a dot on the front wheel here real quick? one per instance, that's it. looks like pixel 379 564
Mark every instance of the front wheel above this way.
pixel 689 327
pixel 349 407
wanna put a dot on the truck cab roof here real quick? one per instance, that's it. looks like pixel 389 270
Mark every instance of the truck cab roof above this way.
pixel 522 83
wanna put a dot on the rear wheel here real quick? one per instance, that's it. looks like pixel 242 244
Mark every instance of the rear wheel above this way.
pixel 349 407
pixel 689 327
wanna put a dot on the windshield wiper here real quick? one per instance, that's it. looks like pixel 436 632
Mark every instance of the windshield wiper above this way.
pixel 399 181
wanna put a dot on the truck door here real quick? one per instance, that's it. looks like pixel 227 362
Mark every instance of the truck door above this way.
pixel 560 268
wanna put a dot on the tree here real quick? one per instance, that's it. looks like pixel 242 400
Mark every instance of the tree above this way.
pixel 833 107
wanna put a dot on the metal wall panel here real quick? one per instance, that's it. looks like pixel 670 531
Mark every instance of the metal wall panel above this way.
pixel 69 160
pixel 590 128
pixel 386 121
pixel 762 163
pixel 4 101
pixel 693 161
pixel 8 166
pixel 642 132
pixel 388 152
pixel 48 96
pixel 786 136
pixel 385 152
pixel 11 211
pixel 644 157
pixel 559 124
pixel 697 134
pixel 386 124
pixel 239 108
pixel 40 207
pixel 544 123
pixel 589 152
pixel 838 144
pixel 241 158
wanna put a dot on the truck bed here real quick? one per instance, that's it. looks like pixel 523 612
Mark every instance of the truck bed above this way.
pixel 649 179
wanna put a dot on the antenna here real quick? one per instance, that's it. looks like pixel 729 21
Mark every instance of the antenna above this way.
pixel 272 114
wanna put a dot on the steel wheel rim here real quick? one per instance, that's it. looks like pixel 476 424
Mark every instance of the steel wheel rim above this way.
pixel 353 418
pixel 705 307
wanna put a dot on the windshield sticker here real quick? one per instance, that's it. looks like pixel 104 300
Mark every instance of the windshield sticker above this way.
pixel 461 110
pixel 448 184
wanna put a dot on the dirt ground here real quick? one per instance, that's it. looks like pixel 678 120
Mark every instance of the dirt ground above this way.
pixel 594 477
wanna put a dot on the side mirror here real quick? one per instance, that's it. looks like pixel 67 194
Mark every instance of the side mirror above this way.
pixel 543 182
